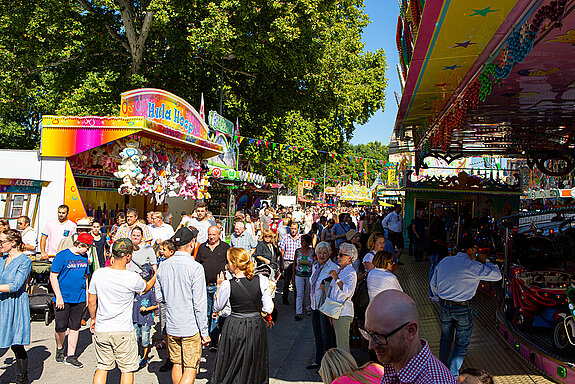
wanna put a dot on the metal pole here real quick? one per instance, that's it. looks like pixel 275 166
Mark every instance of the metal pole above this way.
pixel 222 90
pixel 324 196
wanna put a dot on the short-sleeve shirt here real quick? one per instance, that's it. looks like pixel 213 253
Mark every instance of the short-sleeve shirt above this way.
pixel 304 263
pixel 124 232
pixel 214 261
pixel 72 270
pixel 246 241
pixel 202 227
pixel 115 289
pixel 147 299
pixel 289 244
pixel 29 238
pixel 55 232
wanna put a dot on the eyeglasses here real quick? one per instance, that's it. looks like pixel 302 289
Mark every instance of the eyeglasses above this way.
pixel 342 254
pixel 377 336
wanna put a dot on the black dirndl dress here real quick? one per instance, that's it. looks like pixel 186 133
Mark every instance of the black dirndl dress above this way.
pixel 243 347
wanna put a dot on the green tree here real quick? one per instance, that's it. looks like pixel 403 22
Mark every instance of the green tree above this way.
pixel 293 71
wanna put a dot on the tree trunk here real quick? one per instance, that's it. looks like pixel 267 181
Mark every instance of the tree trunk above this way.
pixel 136 39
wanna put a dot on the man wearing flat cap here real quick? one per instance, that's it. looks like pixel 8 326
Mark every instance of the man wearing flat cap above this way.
pixel 181 284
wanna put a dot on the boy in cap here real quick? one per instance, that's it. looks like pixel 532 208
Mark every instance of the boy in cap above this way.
pixel 68 279
pixel 181 281
pixel 110 301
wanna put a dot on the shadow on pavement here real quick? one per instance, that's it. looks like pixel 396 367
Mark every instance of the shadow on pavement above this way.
pixel 36 358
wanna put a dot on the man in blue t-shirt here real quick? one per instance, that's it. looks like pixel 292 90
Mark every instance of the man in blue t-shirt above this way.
pixel 68 279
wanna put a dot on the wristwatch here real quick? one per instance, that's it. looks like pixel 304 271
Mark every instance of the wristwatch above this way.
pixel 338 281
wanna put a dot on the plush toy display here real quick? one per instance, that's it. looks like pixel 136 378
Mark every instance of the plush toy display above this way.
pixel 129 170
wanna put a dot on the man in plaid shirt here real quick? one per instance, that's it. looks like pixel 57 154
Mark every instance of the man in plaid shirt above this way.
pixel 287 246
pixel 392 328
pixel 125 230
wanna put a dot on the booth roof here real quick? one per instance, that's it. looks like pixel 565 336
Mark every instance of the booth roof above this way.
pixel 65 136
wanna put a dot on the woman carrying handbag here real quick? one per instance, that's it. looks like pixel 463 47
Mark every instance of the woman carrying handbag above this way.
pixel 338 305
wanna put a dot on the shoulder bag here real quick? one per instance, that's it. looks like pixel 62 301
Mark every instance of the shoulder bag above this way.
pixel 330 307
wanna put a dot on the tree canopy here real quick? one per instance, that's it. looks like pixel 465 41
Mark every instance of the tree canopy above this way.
pixel 293 71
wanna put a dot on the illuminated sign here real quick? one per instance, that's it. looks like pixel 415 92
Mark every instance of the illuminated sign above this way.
pixel 219 123
pixel 232 174
pixel 164 108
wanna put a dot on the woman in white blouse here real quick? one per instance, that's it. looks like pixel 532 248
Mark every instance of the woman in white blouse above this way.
pixel 322 328
pixel 341 290
pixel 381 278
pixel 243 347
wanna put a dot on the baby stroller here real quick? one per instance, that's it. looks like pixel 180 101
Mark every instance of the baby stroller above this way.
pixel 271 271
pixel 39 291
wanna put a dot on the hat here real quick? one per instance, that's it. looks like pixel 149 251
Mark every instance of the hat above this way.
pixel 184 236
pixel 84 223
pixel 350 234
pixel 85 238
pixel 123 247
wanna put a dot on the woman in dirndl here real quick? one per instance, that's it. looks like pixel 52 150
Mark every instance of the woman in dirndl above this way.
pixel 243 347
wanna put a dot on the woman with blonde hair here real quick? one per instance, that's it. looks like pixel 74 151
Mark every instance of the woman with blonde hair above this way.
pixel 376 242
pixel 266 251
pixel 243 347
pixel 339 367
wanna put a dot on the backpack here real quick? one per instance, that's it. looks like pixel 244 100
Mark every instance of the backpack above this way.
pixel 360 299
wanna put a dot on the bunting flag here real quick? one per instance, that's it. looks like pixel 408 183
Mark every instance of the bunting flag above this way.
pixel 202 109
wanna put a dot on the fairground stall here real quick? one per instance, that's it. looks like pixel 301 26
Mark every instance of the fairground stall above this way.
pixel 227 175
pixel 20 197
pixel 491 79
pixel 153 151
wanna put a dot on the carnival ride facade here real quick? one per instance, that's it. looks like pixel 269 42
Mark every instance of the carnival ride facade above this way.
pixel 498 79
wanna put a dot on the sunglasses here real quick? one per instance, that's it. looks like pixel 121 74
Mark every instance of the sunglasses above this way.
pixel 342 254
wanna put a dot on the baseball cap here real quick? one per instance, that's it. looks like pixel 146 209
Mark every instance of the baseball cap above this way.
pixel 184 236
pixel 123 247
pixel 350 234
pixel 85 238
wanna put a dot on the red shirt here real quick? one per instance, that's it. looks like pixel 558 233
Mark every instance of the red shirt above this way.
pixel 423 368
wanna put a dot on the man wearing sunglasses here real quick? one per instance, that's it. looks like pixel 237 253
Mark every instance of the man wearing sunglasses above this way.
pixel 454 282
pixel 392 329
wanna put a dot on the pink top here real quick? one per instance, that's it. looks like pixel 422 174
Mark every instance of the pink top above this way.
pixel 374 369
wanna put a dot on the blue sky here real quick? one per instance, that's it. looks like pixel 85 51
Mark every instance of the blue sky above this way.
pixel 380 33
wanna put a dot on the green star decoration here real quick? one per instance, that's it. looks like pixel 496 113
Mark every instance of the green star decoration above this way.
pixel 483 12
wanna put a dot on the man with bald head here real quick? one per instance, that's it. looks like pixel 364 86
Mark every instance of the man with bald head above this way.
pixel 392 329
pixel 212 255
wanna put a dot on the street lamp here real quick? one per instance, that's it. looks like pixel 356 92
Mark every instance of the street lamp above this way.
pixel 230 56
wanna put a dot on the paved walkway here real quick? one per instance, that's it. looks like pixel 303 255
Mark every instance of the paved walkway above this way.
pixel 291 347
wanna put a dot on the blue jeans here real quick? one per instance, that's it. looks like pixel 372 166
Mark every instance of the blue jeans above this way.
pixel 212 323
pixel 434 258
pixel 323 334
pixel 143 331
pixel 456 324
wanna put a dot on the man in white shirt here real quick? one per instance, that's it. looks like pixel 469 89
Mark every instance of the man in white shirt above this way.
pixel 393 222
pixel 454 282
pixel 201 222
pixel 29 238
pixel 55 231
pixel 184 221
pixel 298 217
pixel 110 300
pixel 159 229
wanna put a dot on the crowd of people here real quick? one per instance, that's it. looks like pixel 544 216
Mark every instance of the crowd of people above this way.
pixel 207 292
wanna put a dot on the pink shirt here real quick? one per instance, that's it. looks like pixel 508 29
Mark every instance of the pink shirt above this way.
pixel 375 374
pixel 55 232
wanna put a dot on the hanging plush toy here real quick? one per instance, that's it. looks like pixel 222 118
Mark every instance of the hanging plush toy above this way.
pixel 203 188
pixel 129 170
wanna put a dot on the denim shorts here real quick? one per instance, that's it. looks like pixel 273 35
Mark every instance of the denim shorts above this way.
pixel 143 331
